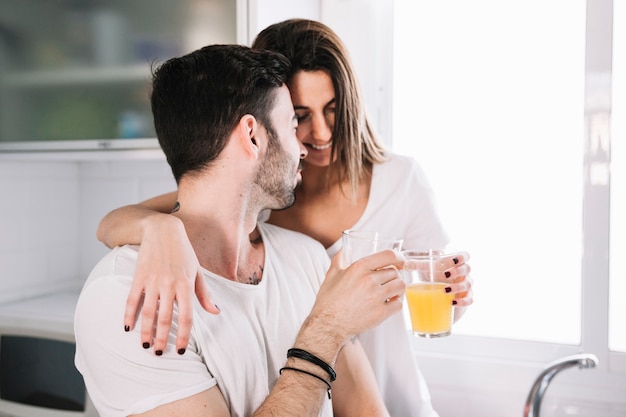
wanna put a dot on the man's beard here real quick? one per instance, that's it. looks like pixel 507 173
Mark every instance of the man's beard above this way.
pixel 275 178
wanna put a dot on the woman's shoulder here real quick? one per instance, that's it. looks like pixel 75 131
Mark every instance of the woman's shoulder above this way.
pixel 398 165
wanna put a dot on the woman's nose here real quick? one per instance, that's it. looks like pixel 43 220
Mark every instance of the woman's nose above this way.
pixel 320 129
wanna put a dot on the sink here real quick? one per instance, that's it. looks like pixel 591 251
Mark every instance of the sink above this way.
pixel 542 382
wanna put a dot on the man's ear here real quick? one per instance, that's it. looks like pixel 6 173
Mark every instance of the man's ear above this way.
pixel 249 135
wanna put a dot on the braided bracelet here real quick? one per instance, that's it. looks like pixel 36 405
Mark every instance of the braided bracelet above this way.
pixel 309 357
pixel 288 368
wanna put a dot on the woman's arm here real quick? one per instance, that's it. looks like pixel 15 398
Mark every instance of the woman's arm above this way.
pixel 125 225
pixel 355 390
pixel 167 269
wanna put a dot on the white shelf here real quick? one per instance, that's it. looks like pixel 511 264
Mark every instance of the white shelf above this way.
pixel 80 150
pixel 78 76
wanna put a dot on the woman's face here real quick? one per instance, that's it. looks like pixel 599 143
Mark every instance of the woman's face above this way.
pixel 313 97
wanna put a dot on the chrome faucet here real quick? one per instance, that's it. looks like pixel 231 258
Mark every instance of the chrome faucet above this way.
pixel 533 403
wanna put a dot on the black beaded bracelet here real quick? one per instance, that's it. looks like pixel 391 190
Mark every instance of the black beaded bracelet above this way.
pixel 309 357
pixel 288 368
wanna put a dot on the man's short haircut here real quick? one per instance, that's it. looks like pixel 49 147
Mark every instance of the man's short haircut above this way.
pixel 198 99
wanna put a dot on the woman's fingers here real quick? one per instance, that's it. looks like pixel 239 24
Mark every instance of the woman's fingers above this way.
pixel 204 295
pixel 148 318
pixel 133 304
pixel 164 314
pixel 462 289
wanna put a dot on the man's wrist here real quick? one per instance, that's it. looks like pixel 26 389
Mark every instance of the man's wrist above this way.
pixel 321 339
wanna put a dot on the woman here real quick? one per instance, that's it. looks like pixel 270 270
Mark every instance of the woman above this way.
pixel 349 181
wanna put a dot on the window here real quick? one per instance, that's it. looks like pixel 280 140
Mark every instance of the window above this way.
pixel 489 98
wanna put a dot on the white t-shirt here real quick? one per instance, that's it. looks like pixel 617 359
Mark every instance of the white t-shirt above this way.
pixel 401 203
pixel 241 349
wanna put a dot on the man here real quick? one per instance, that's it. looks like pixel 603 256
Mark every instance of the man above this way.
pixel 225 121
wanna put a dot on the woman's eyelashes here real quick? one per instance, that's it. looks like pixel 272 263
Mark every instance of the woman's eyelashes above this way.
pixel 302 117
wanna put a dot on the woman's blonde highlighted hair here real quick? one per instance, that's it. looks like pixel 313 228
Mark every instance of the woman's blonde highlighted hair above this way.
pixel 311 46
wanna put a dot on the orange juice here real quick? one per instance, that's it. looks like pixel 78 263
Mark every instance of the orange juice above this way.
pixel 430 308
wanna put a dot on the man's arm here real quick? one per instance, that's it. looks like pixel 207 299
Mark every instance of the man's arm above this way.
pixel 209 403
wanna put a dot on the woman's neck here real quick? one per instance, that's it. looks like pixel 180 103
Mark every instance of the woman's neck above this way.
pixel 323 209
pixel 316 179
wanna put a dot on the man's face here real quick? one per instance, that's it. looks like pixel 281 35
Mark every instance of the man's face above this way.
pixel 279 172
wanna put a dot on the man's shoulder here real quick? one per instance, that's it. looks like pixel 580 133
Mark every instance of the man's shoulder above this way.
pixel 119 261
pixel 294 254
pixel 277 234
pixel 294 247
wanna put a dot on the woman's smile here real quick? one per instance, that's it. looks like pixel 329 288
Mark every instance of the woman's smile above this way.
pixel 320 147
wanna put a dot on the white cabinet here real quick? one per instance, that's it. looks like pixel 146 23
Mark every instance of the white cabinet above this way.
pixel 75 74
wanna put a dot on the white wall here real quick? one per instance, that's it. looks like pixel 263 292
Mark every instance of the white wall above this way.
pixel 263 13
pixel 105 185
pixel 38 227
pixel 49 213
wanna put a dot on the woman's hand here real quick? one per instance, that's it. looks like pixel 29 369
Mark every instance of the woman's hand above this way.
pixel 460 283
pixel 167 271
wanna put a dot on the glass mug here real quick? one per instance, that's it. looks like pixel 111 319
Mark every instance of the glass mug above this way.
pixel 357 244
pixel 430 306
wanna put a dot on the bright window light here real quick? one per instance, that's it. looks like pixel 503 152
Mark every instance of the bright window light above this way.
pixel 489 98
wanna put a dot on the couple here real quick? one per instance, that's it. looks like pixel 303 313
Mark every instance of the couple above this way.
pixel 226 122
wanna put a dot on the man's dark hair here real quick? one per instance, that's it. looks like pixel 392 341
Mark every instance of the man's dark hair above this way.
pixel 198 99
